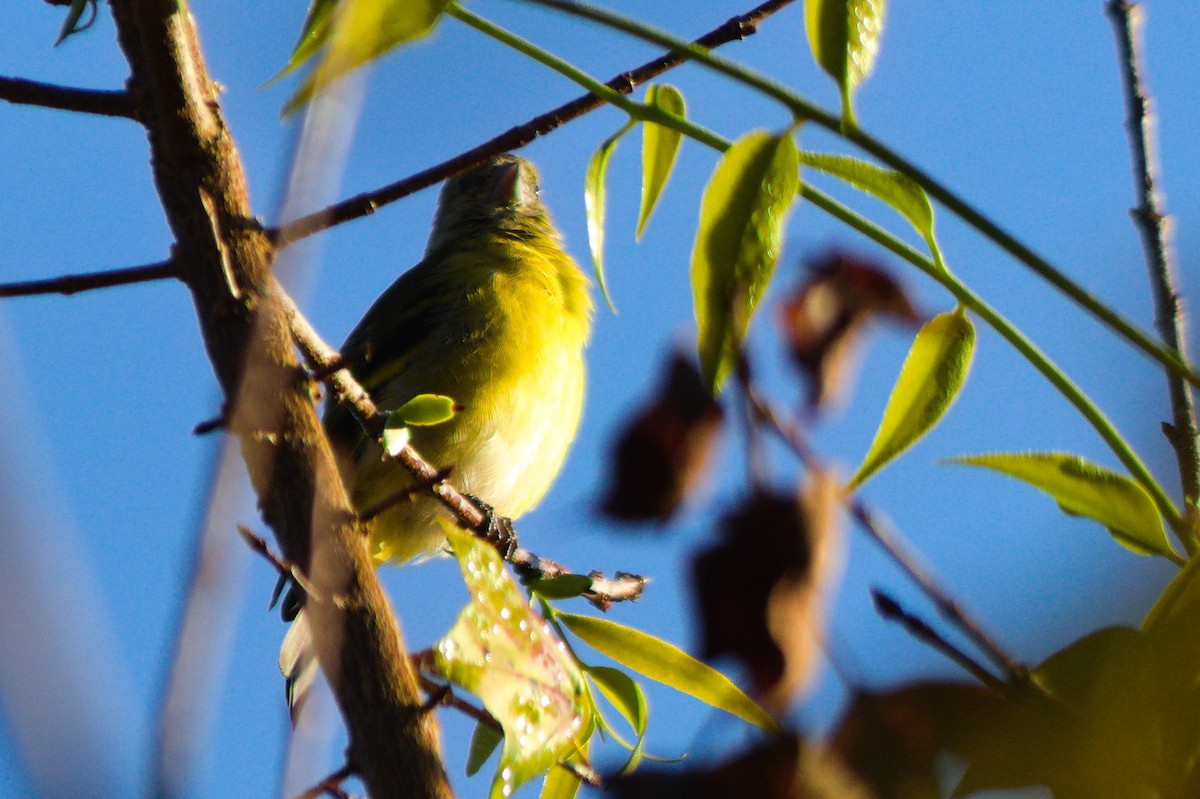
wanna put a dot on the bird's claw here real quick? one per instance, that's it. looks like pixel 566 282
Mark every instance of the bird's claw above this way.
pixel 497 530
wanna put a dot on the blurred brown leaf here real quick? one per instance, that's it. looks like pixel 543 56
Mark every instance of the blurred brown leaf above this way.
pixel 760 589
pixel 783 768
pixel 823 319
pixel 891 739
pixel 662 452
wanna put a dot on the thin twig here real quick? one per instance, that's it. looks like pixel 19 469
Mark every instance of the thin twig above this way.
pixel 72 284
pixel 331 785
pixel 734 29
pixel 890 540
pixel 1154 225
pixel 211 425
pixel 321 358
pixel 285 568
pixel 66 98
pixel 445 694
pixel 891 610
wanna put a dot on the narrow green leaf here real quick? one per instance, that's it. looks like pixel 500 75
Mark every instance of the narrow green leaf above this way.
pixel 844 38
pixel 561 783
pixel 484 741
pixel 742 219
pixel 1084 489
pixel 593 200
pixel 356 32
pixel 668 664
pixel 660 146
pixel 627 697
pixel 312 36
pixel 929 381
pixel 425 410
pixel 1181 595
pixel 896 189
pixel 563 586
pixel 395 436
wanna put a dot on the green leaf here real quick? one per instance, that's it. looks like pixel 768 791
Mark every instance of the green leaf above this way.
pixel 627 697
pixel 562 586
pixel 395 436
pixel 930 379
pixel 844 38
pixel 561 783
pixel 422 410
pixel 1084 489
pixel 353 33
pixel 508 656
pixel 593 200
pixel 1093 721
pixel 484 741
pixel 660 146
pixel 667 664
pixel 312 35
pixel 1181 595
pixel 425 410
pixel 901 192
pixel 742 219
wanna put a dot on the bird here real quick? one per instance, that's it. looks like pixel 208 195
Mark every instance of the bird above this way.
pixel 496 317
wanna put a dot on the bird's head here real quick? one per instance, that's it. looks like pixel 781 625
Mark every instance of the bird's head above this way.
pixel 499 195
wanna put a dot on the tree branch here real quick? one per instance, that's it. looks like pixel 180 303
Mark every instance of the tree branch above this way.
pixel 73 284
pixel 736 28
pixel 66 98
pixel 891 542
pixel 1153 224
pixel 226 263
pixel 332 367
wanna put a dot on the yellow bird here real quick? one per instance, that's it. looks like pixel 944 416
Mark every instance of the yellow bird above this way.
pixel 495 317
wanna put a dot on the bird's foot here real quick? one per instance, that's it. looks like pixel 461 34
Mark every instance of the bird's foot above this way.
pixel 497 530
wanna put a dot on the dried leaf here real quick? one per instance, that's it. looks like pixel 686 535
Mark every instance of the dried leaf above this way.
pixel 760 590
pixel 823 318
pixel 662 453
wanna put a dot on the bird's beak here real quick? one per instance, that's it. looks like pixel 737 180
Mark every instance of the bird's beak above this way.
pixel 506 188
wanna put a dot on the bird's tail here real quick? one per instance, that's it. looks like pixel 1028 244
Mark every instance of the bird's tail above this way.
pixel 298 662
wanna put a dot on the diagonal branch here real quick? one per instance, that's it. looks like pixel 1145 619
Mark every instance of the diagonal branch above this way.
pixel 66 98
pixel 72 284
pixel 734 29
pixel 325 360
pixel 1154 225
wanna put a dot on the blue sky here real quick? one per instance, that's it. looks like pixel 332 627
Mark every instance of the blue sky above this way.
pixel 1016 106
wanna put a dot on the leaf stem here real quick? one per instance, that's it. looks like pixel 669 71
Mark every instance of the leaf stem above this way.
pixel 804 109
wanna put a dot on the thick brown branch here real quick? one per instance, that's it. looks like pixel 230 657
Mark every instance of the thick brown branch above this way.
pixel 227 265
pixel 73 284
pixel 65 98
pixel 737 28
pixel 1152 222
